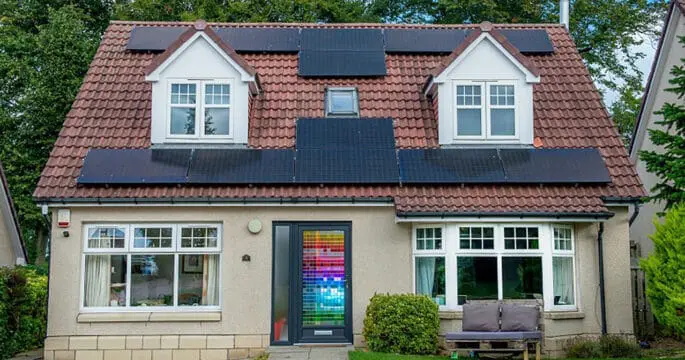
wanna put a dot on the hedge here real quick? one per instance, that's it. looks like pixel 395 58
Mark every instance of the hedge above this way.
pixel 23 310
pixel 402 324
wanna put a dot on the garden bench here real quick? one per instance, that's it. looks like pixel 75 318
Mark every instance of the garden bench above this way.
pixel 498 327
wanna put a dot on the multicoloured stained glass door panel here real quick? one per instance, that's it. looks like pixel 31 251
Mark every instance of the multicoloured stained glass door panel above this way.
pixel 323 278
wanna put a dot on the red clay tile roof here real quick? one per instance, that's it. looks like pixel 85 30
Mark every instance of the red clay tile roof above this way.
pixel 112 110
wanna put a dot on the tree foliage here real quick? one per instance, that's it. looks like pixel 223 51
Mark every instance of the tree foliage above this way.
pixel 624 111
pixel 665 271
pixel 668 162
pixel 46 45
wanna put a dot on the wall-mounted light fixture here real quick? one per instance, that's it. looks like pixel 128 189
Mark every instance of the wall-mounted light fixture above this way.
pixel 254 226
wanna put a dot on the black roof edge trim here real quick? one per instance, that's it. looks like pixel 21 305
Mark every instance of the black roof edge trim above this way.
pixel 622 199
pixel 195 200
pixel 597 215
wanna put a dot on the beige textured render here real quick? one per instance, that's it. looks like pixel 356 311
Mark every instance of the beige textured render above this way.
pixel 381 262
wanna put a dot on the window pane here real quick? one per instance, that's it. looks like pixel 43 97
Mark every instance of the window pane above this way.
pixel 152 280
pixel 199 237
pixel 477 278
pixel 521 238
pixel 430 278
pixel 476 238
pixel 216 121
pixel 341 101
pixel 502 122
pixel 144 238
pixel 105 281
pixel 281 282
pixel 182 121
pixel 468 122
pixel 106 238
pixel 198 280
pixel 502 95
pixel 429 239
pixel 468 95
pixel 183 93
pixel 562 239
pixel 522 277
pixel 562 268
pixel 217 94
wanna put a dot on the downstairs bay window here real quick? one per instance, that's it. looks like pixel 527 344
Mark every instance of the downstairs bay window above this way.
pixel 456 263
pixel 151 267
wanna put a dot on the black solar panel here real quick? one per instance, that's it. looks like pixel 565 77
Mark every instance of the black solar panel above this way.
pixel 135 166
pixel 425 166
pixel 341 63
pixel 346 166
pixel 241 166
pixel 423 40
pixel 261 39
pixel 153 38
pixel 345 133
pixel 341 53
pixel 342 39
pixel 534 41
pixel 554 166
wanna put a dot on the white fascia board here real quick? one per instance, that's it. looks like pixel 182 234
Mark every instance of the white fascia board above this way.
pixel 442 78
pixel 226 204
pixel 244 75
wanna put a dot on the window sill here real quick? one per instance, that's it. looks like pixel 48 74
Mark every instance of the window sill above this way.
pixel 564 315
pixel 114 317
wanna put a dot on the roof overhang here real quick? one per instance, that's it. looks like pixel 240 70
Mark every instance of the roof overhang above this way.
pixel 432 217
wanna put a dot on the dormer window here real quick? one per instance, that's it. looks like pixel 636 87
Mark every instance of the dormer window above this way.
pixel 342 102
pixel 200 109
pixel 485 110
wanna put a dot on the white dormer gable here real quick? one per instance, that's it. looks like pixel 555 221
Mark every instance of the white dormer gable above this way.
pixel 485 94
pixel 200 93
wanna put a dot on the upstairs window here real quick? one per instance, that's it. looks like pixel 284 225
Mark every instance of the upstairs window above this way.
pixel 485 110
pixel 342 102
pixel 200 109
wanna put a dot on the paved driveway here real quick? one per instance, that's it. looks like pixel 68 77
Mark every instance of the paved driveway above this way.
pixel 308 353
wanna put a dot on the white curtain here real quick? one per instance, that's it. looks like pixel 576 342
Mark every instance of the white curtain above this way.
pixel 210 283
pixel 563 280
pixel 98 280
pixel 425 268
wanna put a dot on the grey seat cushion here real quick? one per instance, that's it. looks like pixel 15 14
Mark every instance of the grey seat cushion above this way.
pixel 519 317
pixel 481 317
pixel 497 335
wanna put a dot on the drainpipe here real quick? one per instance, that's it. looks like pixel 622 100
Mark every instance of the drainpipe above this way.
pixel 636 212
pixel 602 299
pixel 564 12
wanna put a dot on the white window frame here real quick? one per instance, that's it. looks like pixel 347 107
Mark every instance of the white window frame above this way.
pixel 200 107
pixel 451 251
pixel 485 108
pixel 568 254
pixel 129 251
pixel 329 104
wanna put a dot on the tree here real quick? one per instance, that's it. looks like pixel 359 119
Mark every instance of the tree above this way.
pixel 624 111
pixel 48 69
pixel 664 270
pixel 669 164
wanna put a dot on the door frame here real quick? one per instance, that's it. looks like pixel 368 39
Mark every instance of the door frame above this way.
pixel 295 328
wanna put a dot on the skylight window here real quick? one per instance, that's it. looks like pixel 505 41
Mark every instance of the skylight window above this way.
pixel 342 102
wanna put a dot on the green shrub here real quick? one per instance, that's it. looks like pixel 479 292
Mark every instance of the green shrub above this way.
pixel 607 346
pixel 23 310
pixel 664 270
pixel 402 324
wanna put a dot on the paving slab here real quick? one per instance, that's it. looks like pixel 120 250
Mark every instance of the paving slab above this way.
pixel 308 353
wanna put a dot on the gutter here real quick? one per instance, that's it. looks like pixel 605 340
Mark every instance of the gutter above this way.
pixel 213 200
pixel 602 295
pixel 480 214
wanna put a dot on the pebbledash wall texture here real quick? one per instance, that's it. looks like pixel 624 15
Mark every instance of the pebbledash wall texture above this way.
pixel 381 262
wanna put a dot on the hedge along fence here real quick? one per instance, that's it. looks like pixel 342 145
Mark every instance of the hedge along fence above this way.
pixel 23 310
